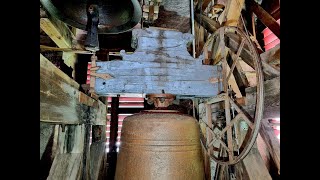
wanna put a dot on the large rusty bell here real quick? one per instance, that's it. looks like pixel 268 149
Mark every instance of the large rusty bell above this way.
pixel 160 145
pixel 115 16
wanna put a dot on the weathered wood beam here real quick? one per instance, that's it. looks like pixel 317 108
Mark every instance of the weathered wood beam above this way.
pixel 272 57
pixel 68 162
pixel 271 141
pixel 265 18
pixel 233 12
pixel 255 166
pixel 62 103
pixel 66 166
pixel 209 24
pixel 271 99
pixel 98 152
pixel 69 50
pixel 57 31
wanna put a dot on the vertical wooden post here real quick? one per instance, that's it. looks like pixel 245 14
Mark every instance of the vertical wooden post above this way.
pixel 112 156
pixel 209 121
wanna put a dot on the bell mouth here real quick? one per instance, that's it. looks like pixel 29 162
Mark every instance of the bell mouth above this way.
pixel 114 17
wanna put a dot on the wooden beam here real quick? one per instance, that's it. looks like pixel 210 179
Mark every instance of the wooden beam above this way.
pixel 265 18
pixel 66 166
pixel 206 22
pixel 271 141
pixel 205 4
pixel 271 99
pixel 233 42
pixel 272 57
pixel 233 12
pixel 255 166
pixel 57 31
pixel 68 162
pixel 61 102
pixel 69 50
pixel 97 157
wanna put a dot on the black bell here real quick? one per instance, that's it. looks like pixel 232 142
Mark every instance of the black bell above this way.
pixel 115 16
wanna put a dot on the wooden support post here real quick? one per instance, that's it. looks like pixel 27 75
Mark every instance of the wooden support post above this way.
pixel 97 152
pixel 62 103
pixel 112 156
pixel 209 122
pixel 68 162
pixel 86 153
pixel 271 142
pixel 255 166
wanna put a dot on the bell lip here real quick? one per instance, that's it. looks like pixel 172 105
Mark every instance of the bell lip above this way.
pixel 102 29
pixel 161 111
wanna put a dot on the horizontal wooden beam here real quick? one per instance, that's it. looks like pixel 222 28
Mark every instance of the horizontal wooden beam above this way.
pixel 77 51
pixel 62 103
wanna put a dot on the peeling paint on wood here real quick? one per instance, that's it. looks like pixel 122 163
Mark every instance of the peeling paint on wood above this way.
pixel 160 62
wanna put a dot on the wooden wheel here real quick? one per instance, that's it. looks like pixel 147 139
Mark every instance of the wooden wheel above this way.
pixel 224 146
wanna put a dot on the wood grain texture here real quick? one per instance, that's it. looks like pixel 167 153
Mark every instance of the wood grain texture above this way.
pixel 160 62
pixel 271 141
pixel 271 99
pixel 97 155
pixel 60 99
pixel 66 167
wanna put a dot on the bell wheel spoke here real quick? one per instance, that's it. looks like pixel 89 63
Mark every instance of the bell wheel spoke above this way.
pixel 236 58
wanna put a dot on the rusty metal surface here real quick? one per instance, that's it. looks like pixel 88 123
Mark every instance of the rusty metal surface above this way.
pixel 160 146
pixel 160 100
pixel 114 16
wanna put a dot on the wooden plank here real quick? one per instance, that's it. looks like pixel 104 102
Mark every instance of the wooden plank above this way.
pixel 133 77
pixel 68 162
pixel 233 12
pixel 272 57
pixel 97 155
pixel 271 141
pixel 210 126
pixel 271 99
pixel 255 166
pixel 60 100
pixel 77 51
pixel 66 167
pixel 57 31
